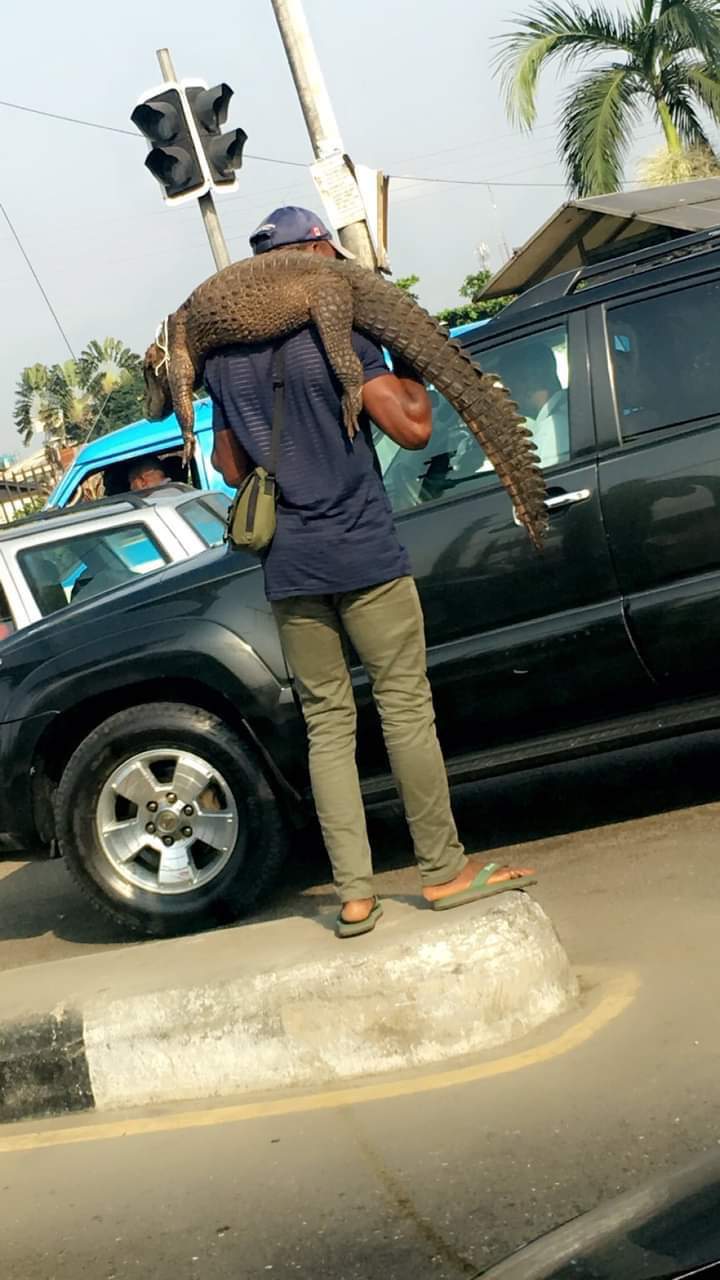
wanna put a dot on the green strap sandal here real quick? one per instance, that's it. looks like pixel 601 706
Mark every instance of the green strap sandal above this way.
pixel 354 928
pixel 479 888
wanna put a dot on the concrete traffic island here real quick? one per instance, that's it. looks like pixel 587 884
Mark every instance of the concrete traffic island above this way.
pixel 270 1006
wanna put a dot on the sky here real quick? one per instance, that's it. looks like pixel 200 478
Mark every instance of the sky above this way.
pixel 412 87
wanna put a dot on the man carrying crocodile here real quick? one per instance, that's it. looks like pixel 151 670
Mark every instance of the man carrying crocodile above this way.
pixel 335 573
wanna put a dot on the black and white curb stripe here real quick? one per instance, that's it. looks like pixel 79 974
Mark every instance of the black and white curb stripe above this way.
pixel 222 1014
pixel 43 1067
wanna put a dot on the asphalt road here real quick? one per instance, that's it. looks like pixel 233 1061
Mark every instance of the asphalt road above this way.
pixel 437 1183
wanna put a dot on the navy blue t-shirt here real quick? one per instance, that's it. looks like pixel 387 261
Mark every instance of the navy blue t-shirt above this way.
pixel 335 529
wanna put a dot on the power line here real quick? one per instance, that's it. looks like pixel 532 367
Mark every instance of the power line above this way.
pixel 470 182
pixel 522 134
pixel 491 182
pixel 497 182
pixel 128 133
pixel 297 164
pixel 53 115
pixel 37 280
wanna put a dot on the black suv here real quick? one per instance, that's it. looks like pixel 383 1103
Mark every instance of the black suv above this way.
pixel 154 738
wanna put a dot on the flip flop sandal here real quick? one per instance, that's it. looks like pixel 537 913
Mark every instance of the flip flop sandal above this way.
pixel 479 888
pixel 354 928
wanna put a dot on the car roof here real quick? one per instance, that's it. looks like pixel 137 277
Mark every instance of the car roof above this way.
pixel 626 274
pixel 168 495
pixel 144 435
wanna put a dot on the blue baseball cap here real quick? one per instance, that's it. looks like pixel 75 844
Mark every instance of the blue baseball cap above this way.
pixel 293 225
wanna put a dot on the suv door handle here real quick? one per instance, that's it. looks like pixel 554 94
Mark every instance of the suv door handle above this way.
pixel 567 499
pixel 559 501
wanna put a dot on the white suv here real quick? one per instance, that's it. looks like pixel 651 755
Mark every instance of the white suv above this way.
pixel 52 559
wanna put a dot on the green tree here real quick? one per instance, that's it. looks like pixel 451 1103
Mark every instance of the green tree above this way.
pixel 75 398
pixel 35 408
pixel 664 167
pixel 114 373
pixel 125 405
pixel 29 508
pixel 476 307
pixel 109 365
pixel 664 55
pixel 407 284
pixel 73 401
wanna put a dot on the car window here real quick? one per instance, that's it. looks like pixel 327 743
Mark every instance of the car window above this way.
pixel 208 517
pixel 7 624
pixel 85 564
pixel 536 372
pixel 663 352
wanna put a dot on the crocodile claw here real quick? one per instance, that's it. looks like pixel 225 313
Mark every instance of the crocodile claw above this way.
pixel 188 448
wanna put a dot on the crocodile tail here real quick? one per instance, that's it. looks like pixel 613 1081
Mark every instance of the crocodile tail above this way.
pixel 387 314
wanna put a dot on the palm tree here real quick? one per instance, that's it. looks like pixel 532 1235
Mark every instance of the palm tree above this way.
pixel 36 408
pixel 55 401
pixel 75 399
pixel 664 56
pixel 662 167
pixel 108 365
pixel 67 401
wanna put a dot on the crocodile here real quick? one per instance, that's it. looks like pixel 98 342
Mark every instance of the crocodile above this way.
pixel 274 295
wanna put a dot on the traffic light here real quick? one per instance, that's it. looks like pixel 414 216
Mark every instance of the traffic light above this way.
pixel 175 159
pixel 189 151
pixel 223 151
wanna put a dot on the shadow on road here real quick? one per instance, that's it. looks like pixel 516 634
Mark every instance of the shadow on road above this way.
pixel 39 898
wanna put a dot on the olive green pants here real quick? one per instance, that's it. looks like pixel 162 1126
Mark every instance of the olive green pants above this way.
pixel 385 626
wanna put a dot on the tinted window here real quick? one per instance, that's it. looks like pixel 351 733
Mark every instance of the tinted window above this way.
pixel 83 565
pixel 664 358
pixel 536 372
pixel 207 516
pixel 7 625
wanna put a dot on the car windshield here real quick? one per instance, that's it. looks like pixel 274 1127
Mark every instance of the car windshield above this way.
pixel 113 478
pixel 85 564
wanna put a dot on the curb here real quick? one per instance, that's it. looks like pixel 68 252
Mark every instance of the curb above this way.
pixel 44 1068
pixel 279 1005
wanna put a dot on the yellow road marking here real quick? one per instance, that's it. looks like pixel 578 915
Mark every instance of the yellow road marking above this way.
pixel 620 993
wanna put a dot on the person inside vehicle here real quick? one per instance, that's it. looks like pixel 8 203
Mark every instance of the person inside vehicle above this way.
pixel 336 572
pixel 529 371
pixel 147 473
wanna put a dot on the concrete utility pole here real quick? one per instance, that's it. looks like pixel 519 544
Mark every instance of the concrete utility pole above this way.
pixel 207 204
pixel 333 174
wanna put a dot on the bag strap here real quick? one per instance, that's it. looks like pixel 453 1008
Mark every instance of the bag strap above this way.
pixel 278 409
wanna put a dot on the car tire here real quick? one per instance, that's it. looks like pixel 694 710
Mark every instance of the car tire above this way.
pixel 150 746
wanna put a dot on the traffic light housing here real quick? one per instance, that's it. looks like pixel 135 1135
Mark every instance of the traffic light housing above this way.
pixel 189 153
pixel 174 158
pixel 223 151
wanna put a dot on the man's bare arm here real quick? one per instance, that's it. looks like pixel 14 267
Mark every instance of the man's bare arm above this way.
pixel 400 406
pixel 229 458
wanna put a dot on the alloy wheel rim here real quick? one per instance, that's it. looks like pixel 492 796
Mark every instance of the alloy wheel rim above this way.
pixel 167 821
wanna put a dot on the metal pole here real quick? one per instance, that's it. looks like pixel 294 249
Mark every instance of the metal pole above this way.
pixel 317 109
pixel 208 211
pixel 214 231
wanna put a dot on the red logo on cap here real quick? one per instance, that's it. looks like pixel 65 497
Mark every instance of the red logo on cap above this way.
pixel 316 231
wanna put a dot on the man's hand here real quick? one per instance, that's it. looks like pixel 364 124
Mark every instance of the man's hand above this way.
pixel 400 406
pixel 229 458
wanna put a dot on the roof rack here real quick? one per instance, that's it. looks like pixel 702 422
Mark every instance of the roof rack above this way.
pixel 569 282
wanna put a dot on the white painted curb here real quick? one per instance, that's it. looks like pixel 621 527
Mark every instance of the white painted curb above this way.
pixel 424 988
